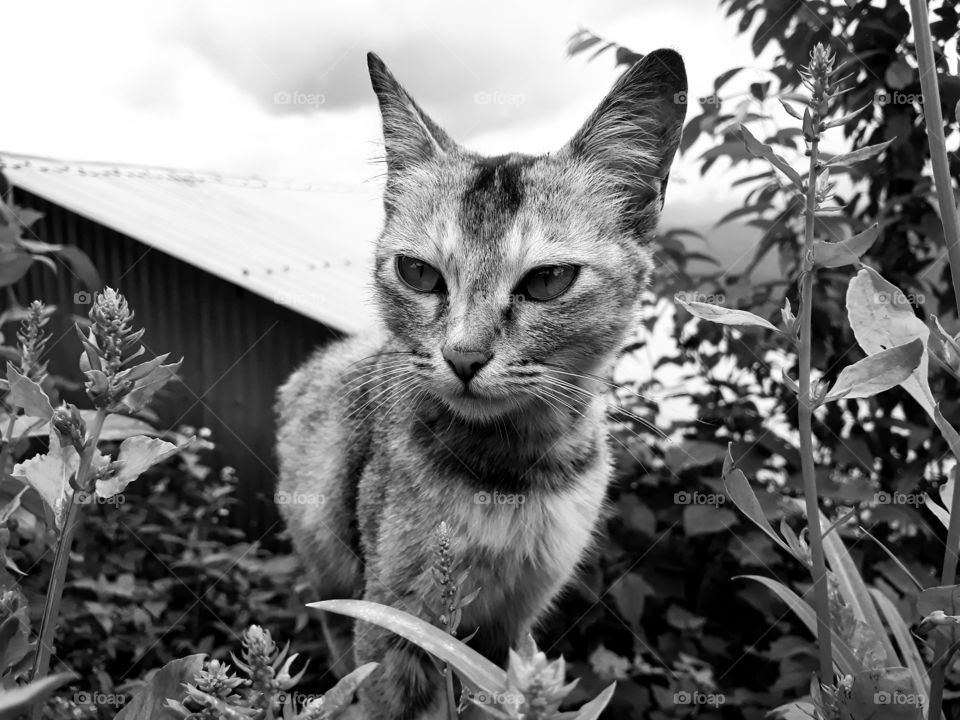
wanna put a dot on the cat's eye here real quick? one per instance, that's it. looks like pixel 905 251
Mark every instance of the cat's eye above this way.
pixel 419 275
pixel 548 282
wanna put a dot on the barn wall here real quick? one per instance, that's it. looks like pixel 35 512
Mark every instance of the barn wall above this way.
pixel 237 347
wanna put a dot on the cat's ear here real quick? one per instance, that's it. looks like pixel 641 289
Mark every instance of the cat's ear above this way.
pixel 635 131
pixel 410 137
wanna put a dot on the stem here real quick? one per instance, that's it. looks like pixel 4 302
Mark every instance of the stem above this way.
pixel 935 137
pixel 451 700
pixel 951 233
pixel 51 605
pixel 805 413
pixel 8 439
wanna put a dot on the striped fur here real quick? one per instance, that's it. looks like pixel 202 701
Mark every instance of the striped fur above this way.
pixel 379 442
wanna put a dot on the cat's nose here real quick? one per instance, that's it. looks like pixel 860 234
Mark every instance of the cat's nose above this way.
pixel 466 363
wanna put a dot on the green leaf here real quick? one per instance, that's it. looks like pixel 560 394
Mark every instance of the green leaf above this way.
pixel 592 710
pixel 706 519
pixel 148 385
pixel 888 693
pixel 800 710
pixel 854 590
pixel 341 695
pixel 224 710
pixel 905 641
pixel 946 497
pixel 791 111
pixel 882 318
pixel 14 264
pixel 739 490
pixel 27 394
pixel 26 216
pixel 856 156
pixel 724 316
pixel 81 266
pixel 477 669
pixel 945 347
pixel 144 369
pixel 136 456
pixel 49 474
pixel 946 600
pixel 842 655
pixel 723 77
pixel 15 644
pixel 119 427
pixel 845 252
pixel 151 701
pixel 807 123
pixel 758 149
pixel 630 593
pixel 877 373
pixel 837 122
pixel 18 700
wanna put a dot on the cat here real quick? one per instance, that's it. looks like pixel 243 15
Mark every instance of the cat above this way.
pixel 505 288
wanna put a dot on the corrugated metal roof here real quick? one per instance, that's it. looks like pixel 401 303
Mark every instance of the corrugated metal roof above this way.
pixel 307 246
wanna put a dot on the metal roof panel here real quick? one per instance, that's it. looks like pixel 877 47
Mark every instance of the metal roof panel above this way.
pixel 309 247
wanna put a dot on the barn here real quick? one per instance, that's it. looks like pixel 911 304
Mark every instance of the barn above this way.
pixel 242 277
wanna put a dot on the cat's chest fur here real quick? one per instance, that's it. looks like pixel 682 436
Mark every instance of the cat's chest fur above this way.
pixel 521 515
pixel 523 554
pixel 547 529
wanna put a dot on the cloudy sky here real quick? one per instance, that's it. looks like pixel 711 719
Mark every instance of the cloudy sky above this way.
pixel 279 88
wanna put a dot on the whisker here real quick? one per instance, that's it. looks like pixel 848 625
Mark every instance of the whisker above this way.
pixel 643 422
pixel 600 379
pixel 371 376
pixel 393 384
pixel 559 397
pixel 387 381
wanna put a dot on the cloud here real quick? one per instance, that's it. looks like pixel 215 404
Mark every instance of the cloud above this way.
pixel 472 65
pixel 194 83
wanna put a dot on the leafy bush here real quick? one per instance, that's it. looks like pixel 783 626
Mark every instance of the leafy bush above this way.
pixel 877 458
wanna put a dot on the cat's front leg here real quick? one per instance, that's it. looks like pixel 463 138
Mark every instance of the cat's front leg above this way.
pixel 407 685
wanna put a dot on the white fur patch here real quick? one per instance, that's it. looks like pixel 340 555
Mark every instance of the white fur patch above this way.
pixel 551 530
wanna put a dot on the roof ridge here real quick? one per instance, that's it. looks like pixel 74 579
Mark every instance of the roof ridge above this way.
pixel 100 168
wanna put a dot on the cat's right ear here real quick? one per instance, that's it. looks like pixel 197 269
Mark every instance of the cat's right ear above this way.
pixel 410 137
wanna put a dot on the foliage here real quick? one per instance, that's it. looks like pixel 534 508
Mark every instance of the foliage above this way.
pixel 41 513
pixel 876 457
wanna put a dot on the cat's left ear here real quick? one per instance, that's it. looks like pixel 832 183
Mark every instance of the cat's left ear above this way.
pixel 409 135
pixel 635 131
